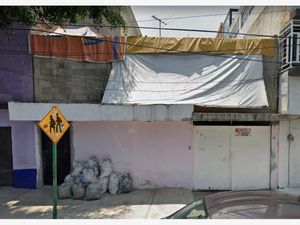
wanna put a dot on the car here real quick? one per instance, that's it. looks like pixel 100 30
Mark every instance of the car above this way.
pixel 242 205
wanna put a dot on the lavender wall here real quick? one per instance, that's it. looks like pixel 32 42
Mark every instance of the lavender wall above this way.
pixel 157 154
pixel 16 84
pixel 23 147
pixel 16 80
pixel 23 151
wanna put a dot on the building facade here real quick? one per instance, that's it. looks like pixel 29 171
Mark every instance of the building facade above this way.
pixel 191 120
pixel 282 22
pixel 29 79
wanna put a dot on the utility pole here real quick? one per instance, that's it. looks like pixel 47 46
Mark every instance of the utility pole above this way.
pixel 159 23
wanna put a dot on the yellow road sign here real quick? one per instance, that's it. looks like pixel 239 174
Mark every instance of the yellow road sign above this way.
pixel 54 124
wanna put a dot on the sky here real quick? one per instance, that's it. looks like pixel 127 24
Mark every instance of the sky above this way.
pixel 203 17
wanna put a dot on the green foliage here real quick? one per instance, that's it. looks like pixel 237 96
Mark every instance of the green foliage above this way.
pixel 60 15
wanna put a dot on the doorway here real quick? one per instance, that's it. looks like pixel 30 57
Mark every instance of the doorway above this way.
pixel 63 158
pixel 6 165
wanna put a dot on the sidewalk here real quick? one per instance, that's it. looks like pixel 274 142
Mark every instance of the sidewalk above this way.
pixel 139 204
pixel 292 191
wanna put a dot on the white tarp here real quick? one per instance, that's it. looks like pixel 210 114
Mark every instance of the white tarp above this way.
pixel 216 81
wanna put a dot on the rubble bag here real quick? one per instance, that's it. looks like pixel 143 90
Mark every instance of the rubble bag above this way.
pixel 93 161
pixel 69 180
pixel 93 191
pixel 104 184
pixel 105 168
pixel 77 169
pixel 125 183
pixel 78 191
pixel 113 183
pixel 64 191
pixel 87 176
pixel 96 170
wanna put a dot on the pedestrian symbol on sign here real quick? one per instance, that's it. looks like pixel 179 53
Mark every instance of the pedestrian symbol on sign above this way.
pixel 54 124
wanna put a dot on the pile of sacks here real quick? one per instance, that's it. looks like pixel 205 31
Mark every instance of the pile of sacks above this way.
pixel 90 179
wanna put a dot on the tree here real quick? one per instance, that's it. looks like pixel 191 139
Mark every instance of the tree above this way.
pixel 60 15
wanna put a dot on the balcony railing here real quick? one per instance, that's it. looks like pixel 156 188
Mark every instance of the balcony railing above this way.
pixel 290 45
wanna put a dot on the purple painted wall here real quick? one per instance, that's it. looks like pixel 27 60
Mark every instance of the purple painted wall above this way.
pixel 16 79
pixel 23 145
pixel 16 84
pixel 157 154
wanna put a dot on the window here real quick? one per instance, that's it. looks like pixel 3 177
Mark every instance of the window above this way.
pixel 290 45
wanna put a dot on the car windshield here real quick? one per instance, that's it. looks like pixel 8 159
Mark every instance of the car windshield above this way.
pixel 195 210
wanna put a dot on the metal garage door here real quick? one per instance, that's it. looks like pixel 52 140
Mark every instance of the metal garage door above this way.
pixel 229 157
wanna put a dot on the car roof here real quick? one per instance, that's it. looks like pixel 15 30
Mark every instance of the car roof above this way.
pixel 252 204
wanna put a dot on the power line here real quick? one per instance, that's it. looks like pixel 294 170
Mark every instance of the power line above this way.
pixel 209 15
pixel 111 53
pixel 155 28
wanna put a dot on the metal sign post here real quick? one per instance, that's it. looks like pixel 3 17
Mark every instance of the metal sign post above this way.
pixel 54 124
pixel 54 182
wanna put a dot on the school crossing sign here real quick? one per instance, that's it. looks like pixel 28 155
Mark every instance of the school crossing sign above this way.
pixel 54 124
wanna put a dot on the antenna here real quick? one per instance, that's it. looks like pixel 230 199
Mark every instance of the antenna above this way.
pixel 159 24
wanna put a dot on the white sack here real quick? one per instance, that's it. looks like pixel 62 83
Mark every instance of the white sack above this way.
pixel 87 176
pixel 105 168
pixel 113 183
pixel 64 191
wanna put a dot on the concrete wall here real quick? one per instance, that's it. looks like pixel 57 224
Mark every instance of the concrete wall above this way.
pixel 283 154
pixel 271 82
pixel 289 94
pixel 265 20
pixel 67 81
pixel 23 151
pixel 289 152
pixel 294 95
pixel 269 22
pixel 283 93
pixel 157 154
pixel 16 79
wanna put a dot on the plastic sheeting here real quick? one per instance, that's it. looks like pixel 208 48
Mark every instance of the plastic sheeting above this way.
pixel 136 45
pixel 78 31
pixel 214 81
